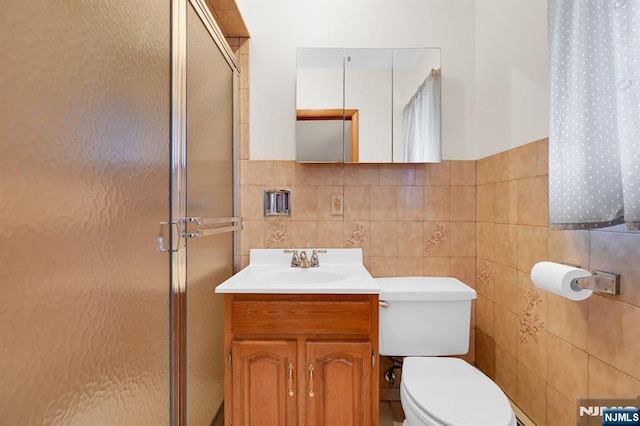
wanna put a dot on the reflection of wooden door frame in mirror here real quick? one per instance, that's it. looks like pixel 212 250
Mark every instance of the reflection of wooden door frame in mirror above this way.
pixel 335 114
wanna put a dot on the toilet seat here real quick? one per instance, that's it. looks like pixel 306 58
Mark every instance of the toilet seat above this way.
pixel 451 392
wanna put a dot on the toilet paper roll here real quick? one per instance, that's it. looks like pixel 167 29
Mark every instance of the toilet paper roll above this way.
pixel 557 278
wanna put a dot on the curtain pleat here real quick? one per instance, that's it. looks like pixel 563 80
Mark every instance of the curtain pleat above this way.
pixel 594 129
pixel 422 128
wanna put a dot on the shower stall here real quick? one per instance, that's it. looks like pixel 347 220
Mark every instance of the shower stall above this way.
pixel 118 181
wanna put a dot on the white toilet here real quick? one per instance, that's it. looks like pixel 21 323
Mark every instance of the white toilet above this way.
pixel 421 319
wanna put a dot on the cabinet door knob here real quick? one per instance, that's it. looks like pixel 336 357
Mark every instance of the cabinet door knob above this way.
pixel 312 393
pixel 290 379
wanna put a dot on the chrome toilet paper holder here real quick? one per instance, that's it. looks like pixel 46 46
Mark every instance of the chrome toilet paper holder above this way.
pixel 600 282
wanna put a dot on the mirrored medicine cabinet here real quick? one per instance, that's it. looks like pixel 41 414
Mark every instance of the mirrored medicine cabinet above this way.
pixel 368 105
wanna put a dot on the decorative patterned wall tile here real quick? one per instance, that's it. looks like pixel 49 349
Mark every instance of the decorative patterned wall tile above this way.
pixel 276 234
pixel 436 236
pixel 358 236
pixel 530 323
pixel 485 283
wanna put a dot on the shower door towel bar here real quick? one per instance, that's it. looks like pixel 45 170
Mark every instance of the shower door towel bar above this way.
pixel 232 224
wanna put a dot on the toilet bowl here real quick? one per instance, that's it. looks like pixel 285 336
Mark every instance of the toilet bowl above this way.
pixel 424 319
pixel 439 391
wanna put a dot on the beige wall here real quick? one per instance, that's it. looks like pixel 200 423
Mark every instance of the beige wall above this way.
pixel 543 350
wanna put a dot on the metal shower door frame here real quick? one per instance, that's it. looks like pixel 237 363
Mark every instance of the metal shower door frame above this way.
pixel 178 191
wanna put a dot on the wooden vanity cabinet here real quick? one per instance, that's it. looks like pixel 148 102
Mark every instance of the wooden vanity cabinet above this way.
pixel 305 360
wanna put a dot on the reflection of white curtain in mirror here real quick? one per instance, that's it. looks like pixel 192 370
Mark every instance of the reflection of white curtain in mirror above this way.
pixel 422 129
pixel 594 127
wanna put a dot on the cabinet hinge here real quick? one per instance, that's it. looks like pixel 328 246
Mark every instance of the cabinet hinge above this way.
pixel 373 359
pixel 229 358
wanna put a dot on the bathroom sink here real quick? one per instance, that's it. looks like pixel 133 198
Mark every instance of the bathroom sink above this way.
pixel 302 276
pixel 341 271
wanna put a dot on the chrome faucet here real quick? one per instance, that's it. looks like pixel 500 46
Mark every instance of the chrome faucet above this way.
pixel 304 261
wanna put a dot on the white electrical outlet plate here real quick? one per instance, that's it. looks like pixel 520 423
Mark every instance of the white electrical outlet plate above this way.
pixel 337 208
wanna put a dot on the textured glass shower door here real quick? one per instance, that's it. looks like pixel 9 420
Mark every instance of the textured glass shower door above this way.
pixel 84 184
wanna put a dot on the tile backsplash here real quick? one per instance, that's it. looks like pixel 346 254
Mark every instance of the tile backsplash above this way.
pixel 408 219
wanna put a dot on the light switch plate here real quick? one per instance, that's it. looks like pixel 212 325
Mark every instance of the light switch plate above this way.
pixel 337 208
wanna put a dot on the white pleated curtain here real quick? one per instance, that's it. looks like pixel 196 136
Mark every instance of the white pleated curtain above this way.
pixel 594 129
pixel 422 128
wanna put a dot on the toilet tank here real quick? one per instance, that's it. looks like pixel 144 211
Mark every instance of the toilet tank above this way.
pixel 424 316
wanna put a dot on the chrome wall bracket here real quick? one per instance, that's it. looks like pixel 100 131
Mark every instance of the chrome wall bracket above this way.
pixel 600 282
pixel 277 202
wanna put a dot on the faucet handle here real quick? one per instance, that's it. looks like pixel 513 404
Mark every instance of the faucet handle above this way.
pixel 315 262
pixel 295 260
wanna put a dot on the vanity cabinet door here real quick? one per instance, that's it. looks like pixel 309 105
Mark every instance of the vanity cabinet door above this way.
pixel 264 383
pixel 339 382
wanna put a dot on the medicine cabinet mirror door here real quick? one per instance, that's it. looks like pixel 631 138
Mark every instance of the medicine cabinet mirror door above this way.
pixel 320 105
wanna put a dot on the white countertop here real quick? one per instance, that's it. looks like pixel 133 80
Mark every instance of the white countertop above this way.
pixel 341 271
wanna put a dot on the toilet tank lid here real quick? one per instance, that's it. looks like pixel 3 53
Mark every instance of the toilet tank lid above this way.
pixel 424 288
